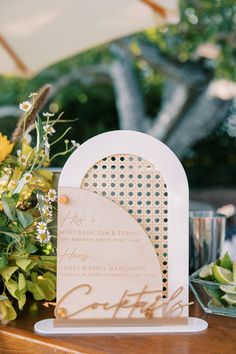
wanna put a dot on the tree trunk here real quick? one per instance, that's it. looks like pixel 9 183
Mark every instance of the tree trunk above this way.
pixel 128 94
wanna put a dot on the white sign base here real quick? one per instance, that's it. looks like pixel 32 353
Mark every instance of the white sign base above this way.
pixel 45 327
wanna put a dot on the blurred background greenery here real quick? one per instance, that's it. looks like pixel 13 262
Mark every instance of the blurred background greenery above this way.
pixel 200 49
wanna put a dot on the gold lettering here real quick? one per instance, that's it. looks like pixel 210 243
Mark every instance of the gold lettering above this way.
pixel 169 306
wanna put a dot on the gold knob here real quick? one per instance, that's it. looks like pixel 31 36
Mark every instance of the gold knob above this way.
pixel 148 314
pixel 61 312
pixel 63 199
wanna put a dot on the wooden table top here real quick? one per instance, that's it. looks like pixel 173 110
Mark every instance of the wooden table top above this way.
pixel 18 336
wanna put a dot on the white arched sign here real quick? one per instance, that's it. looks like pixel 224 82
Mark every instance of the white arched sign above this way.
pixel 122 239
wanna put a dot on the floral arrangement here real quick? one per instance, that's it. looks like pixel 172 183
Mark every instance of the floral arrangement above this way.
pixel 27 206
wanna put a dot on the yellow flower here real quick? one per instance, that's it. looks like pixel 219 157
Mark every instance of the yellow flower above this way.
pixel 5 147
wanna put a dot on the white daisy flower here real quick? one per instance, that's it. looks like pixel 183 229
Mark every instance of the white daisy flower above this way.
pixel 41 227
pixel 48 114
pixel 25 106
pixel 27 177
pixel 32 94
pixel 74 143
pixel 44 237
pixel 52 195
pixel 48 129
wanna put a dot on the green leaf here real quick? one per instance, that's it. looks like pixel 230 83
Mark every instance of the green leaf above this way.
pixel 7 311
pixel 3 219
pixel 52 266
pixel 49 258
pixel 7 272
pixel 30 247
pixel 13 235
pixel 40 133
pixel 50 276
pixel 16 197
pixel 8 204
pixel 48 288
pixel 3 261
pixel 21 301
pixel 25 218
pixel 21 282
pixel 35 289
pixel 25 264
pixel 12 287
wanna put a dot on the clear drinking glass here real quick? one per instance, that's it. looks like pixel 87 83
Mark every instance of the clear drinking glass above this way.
pixel 206 237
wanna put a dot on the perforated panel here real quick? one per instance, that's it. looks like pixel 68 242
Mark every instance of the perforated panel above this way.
pixel 136 185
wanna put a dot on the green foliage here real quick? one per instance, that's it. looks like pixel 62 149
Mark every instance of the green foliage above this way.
pixel 202 22
pixel 205 21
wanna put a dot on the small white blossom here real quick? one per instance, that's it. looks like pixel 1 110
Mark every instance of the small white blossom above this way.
pixel 74 143
pixel 48 129
pixel 25 106
pixel 41 227
pixel 52 195
pixel 18 152
pixel 48 114
pixel 27 177
pixel 23 160
pixel 32 94
pixel 28 138
pixel 43 237
pixel 46 146
pixel 7 170
pixel 47 212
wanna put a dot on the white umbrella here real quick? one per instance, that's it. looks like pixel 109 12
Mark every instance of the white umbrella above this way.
pixel 35 34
